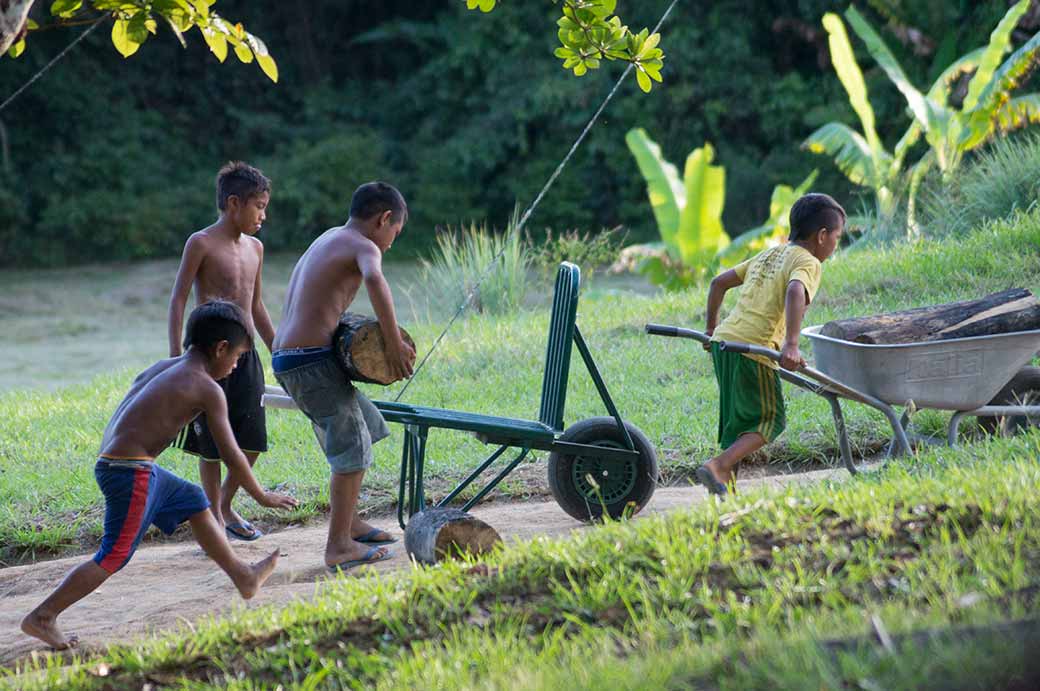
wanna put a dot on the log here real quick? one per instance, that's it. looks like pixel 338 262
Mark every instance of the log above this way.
pixel 358 343
pixel 1010 310
pixel 439 533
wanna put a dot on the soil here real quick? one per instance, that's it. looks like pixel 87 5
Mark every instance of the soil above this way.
pixel 167 586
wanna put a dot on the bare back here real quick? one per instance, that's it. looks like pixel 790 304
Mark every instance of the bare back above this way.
pixel 161 401
pixel 323 284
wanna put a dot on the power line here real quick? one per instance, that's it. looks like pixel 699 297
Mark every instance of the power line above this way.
pixel 530 209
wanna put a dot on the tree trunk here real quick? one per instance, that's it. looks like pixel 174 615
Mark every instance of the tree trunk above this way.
pixel 437 533
pixel 13 14
pixel 358 342
pixel 1011 310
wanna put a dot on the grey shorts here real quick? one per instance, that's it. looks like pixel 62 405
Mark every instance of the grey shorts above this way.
pixel 345 422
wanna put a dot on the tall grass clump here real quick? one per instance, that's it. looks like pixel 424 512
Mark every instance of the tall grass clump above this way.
pixel 465 262
pixel 1005 178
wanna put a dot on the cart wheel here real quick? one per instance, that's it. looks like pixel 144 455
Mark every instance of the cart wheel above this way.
pixel 1023 389
pixel 584 485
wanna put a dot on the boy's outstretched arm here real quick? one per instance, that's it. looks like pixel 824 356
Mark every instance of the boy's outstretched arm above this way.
pixel 716 294
pixel 261 319
pixel 215 407
pixel 795 303
pixel 191 260
pixel 399 355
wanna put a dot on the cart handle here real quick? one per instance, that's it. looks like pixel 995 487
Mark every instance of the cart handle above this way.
pixel 731 346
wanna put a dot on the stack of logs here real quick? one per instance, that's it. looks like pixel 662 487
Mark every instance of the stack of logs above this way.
pixel 1010 310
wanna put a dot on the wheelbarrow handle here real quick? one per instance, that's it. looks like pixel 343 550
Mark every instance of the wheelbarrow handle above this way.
pixel 749 349
pixel 677 332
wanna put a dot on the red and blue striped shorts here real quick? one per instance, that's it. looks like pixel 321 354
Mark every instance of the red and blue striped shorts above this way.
pixel 138 493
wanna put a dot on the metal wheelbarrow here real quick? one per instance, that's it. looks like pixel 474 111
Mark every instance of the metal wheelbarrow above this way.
pixel 959 374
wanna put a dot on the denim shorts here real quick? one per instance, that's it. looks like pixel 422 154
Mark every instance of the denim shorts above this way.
pixel 345 422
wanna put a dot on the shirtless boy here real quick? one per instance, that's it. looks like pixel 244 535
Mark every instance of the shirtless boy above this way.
pixel 224 261
pixel 322 285
pixel 139 493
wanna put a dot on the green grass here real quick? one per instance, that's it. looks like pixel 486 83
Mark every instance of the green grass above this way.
pixel 767 590
pixel 49 501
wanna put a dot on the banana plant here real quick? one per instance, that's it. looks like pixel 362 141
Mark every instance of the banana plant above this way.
pixel 688 211
pixel 988 108
pixel 861 156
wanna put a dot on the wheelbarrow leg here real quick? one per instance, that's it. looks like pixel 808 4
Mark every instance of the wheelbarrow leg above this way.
pixel 843 437
pixel 413 454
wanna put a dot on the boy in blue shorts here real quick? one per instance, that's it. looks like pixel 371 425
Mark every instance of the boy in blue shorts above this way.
pixel 778 286
pixel 138 493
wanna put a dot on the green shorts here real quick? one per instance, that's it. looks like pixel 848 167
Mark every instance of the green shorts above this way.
pixel 750 399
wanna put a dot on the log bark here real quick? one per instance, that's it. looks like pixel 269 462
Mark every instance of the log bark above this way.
pixel 439 533
pixel 359 345
pixel 1010 310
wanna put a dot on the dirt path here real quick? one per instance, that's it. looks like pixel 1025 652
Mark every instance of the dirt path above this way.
pixel 168 586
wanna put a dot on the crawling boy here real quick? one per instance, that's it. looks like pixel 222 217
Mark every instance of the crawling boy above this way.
pixel 323 284
pixel 138 493
pixel 225 261
pixel 778 286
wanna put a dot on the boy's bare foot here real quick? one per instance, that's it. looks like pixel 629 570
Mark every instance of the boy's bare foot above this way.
pixel 256 574
pixel 355 551
pixel 46 629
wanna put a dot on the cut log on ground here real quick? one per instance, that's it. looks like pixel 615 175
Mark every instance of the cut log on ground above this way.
pixel 1011 310
pixel 438 533
pixel 359 345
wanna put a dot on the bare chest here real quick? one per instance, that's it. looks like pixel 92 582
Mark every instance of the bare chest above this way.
pixel 229 275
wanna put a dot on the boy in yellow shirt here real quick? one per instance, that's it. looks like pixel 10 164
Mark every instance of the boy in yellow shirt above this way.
pixel 779 284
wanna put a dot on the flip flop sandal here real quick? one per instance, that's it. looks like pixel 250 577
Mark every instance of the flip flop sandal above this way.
pixel 351 563
pixel 704 477
pixel 243 531
pixel 369 538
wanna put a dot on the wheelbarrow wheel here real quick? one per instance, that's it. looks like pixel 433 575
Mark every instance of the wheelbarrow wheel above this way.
pixel 1023 389
pixel 586 486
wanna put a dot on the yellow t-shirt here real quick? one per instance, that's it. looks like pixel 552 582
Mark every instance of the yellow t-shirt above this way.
pixel 758 317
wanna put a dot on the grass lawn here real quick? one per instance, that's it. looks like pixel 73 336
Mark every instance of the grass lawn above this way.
pixel 937 556
pixel 49 502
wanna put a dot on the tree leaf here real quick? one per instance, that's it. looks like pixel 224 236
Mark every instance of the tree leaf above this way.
pixel 16 48
pixel 267 64
pixel 243 53
pixel 999 41
pixel 701 235
pixel 217 43
pixel 849 150
pixel 663 185
pixel 923 109
pixel 121 38
pixel 65 8
pixel 851 77
pixel 963 65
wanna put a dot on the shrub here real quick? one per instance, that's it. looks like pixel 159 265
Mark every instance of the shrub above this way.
pixel 465 262
pixel 1003 179
pixel 588 250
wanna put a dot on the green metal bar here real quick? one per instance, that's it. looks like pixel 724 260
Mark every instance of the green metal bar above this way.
pixel 419 502
pixel 472 476
pixel 494 483
pixel 406 473
pixel 590 364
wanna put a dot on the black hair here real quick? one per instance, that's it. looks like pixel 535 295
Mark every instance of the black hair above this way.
pixel 813 212
pixel 376 197
pixel 241 180
pixel 215 321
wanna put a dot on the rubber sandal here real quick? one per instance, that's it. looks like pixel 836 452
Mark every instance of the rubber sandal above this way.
pixel 369 538
pixel 351 563
pixel 244 531
pixel 704 477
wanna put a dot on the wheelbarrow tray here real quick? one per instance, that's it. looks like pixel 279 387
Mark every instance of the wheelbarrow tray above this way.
pixel 955 374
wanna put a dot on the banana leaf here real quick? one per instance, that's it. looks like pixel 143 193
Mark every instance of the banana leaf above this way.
pixel 663 186
pixel 701 234
pixel 999 41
